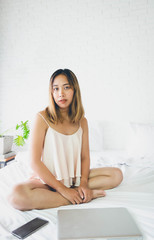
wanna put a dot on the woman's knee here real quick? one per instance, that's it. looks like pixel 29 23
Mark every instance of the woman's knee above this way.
pixel 19 196
pixel 118 176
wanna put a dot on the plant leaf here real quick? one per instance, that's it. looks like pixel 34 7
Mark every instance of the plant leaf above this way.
pixel 26 134
pixel 17 127
pixel 19 141
pixel 26 130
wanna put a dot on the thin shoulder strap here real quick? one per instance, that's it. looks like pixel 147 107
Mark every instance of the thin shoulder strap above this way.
pixel 43 119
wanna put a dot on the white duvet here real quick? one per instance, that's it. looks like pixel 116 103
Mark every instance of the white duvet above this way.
pixel 136 193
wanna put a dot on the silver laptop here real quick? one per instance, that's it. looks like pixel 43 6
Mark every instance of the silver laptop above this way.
pixel 97 223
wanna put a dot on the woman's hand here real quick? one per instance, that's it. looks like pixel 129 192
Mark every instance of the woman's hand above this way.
pixel 71 194
pixel 85 193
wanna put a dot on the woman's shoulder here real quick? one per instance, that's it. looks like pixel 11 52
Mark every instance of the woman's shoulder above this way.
pixel 84 123
pixel 41 118
pixel 42 112
pixel 83 120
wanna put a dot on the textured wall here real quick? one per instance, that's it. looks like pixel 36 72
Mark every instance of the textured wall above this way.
pixel 107 43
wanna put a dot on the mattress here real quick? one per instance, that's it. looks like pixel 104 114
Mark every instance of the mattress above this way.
pixel 136 193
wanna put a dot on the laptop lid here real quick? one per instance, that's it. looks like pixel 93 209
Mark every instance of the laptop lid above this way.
pixel 97 223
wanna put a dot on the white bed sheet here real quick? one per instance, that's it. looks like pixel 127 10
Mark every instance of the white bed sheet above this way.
pixel 136 193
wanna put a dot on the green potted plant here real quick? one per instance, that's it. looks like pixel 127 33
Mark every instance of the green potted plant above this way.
pixel 6 141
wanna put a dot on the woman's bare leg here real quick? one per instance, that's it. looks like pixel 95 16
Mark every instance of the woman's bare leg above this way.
pixel 105 178
pixel 35 195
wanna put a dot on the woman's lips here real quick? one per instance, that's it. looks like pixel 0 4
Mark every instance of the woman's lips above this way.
pixel 62 101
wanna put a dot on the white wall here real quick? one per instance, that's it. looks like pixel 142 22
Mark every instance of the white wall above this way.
pixel 107 43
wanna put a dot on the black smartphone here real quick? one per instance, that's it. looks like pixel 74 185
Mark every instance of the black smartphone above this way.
pixel 29 228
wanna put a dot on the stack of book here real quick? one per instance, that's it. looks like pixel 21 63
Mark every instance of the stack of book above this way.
pixel 6 158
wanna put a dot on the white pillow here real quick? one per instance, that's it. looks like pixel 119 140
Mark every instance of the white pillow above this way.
pixel 95 135
pixel 141 140
pixel 107 135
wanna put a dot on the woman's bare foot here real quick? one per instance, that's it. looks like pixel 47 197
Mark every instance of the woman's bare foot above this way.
pixel 96 193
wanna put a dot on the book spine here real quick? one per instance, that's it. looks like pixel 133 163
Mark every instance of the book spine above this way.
pixel 7 155
pixel 7 159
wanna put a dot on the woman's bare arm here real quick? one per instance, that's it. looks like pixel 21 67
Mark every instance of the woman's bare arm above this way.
pixel 83 189
pixel 85 156
pixel 37 144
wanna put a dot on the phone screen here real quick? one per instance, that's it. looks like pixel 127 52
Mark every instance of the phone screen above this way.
pixel 29 228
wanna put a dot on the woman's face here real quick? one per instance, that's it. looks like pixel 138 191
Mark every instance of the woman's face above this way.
pixel 62 92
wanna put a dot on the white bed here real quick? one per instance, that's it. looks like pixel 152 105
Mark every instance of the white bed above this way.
pixel 136 192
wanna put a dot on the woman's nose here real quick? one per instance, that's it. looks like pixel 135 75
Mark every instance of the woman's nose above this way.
pixel 61 92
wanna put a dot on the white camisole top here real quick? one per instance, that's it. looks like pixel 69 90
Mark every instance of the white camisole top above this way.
pixel 62 155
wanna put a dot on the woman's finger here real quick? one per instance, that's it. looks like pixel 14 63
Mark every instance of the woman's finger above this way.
pixel 81 193
pixel 76 199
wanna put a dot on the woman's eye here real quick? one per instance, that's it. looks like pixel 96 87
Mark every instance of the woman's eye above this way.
pixel 67 87
pixel 55 89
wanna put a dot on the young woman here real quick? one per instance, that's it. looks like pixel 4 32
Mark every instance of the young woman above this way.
pixel 60 153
